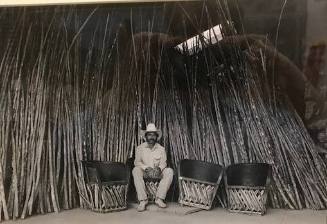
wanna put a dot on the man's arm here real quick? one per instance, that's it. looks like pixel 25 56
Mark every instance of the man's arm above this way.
pixel 138 160
pixel 163 161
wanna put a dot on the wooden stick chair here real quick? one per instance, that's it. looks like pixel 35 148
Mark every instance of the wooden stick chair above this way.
pixel 247 187
pixel 107 185
pixel 198 183
pixel 151 187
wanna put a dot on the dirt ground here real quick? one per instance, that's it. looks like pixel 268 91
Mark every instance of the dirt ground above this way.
pixel 175 214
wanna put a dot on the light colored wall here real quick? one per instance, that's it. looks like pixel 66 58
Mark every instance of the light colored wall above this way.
pixel 316 21
pixel 316 27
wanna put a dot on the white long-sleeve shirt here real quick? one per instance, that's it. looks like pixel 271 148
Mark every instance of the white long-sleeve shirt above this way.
pixel 147 157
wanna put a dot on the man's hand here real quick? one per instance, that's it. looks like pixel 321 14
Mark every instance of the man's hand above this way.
pixel 152 172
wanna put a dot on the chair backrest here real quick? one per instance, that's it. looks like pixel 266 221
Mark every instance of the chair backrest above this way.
pixel 107 171
pixel 200 170
pixel 248 174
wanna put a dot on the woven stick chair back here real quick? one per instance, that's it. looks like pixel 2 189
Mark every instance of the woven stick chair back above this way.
pixel 107 185
pixel 198 183
pixel 247 187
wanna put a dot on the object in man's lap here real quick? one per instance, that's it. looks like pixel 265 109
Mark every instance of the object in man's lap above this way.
pixel 147 172
pixel 152 173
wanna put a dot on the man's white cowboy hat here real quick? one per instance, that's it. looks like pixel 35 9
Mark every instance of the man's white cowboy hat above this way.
pixel 151 128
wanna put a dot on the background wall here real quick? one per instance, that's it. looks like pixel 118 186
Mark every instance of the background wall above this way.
pixel 316 29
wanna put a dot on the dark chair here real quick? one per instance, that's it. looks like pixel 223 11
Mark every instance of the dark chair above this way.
pixel 247 187
pixel 198 183
pixel 107 185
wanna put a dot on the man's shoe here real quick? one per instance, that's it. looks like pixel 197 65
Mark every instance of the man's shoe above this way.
pixel 142 206
pixel 160 203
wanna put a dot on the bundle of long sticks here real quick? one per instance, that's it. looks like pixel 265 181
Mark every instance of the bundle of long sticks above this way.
pixel 41 123
pixel 72 88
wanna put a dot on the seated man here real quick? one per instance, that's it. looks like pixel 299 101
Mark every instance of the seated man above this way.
pixel 151 160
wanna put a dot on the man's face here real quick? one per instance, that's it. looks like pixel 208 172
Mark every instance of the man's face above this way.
pixel 151 137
